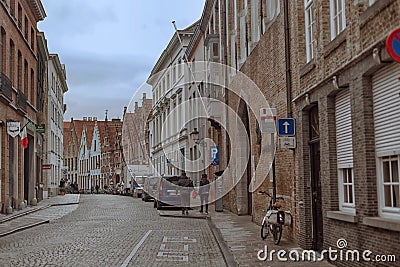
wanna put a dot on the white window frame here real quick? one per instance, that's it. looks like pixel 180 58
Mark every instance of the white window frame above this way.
pixel 255 26
pixel 309 27
pixel 338 17
pixel 344 143
pixel 346 205
pixel 243 48
pixel 233 54
pixel 386 211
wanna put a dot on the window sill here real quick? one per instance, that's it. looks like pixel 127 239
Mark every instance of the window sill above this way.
pixel 373 10
pixel 306 68
pixel 335 43
pixel 388 224
pixel 342 216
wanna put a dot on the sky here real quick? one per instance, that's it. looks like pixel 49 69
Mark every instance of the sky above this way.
pixel 110 47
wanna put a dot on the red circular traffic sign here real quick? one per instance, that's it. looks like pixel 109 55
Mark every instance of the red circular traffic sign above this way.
pixel 393 44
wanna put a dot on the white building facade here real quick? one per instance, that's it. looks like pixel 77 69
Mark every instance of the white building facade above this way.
pixel 169 137
pixel 57 87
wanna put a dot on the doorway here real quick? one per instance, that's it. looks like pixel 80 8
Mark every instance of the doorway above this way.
pixel 315 162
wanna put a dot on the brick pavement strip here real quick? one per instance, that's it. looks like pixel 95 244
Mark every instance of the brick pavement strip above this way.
pixel 242 238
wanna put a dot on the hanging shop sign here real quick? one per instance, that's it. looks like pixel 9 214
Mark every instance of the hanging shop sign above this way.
pixel 40 129
pixel 13 128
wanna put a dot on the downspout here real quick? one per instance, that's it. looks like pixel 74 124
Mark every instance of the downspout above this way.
pixel 287 60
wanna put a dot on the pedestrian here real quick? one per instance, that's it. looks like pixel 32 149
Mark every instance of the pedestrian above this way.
pixel 97 188
pixel 186 188
pixel 204 192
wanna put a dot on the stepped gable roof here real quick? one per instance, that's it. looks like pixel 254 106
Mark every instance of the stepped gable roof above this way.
pixel 89 132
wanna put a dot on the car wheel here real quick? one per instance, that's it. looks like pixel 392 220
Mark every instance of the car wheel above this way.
pixel 159 205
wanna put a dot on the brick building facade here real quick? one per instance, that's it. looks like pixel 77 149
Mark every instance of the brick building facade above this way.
pixel 347 124
pixel 20 173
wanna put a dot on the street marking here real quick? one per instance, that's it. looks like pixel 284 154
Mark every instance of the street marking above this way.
pixel 135 249
pixel 174 253
pixel 179 239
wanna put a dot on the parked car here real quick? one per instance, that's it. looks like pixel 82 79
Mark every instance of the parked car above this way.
pixel 138 186
pixel 149 188
pixel 167 192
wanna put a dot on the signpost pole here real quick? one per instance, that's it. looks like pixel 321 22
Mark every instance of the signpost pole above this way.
pixel 273 169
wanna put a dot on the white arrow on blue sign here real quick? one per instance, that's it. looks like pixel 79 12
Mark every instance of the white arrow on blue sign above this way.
pixel 286 127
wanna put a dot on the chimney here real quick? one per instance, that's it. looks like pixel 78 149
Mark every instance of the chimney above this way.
pixel 125 110
pixel 136 106
pixel 84 118
pixel 144 96
pixel 72 119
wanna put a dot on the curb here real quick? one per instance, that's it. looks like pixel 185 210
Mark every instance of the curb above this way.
pixel 181 216
pixel 23 228
pixel 223 247
pixel 24 213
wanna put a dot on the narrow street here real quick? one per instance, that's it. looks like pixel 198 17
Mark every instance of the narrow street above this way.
pixel 110 230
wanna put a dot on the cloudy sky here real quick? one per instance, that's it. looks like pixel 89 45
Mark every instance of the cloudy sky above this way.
pixel 110 47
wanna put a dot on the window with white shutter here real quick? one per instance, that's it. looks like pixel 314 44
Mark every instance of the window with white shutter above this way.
pixel 386 86
pixel 344 148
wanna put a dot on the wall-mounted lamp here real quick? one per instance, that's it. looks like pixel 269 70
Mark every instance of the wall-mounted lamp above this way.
pixel 307 99
pixel 335 82
pixel 376 55
pixel 195 135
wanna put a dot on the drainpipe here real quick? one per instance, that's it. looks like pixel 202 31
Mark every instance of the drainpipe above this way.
pixel 287 60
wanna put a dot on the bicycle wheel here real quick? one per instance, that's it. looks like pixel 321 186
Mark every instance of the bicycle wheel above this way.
pixel 277 233
pixel 264 230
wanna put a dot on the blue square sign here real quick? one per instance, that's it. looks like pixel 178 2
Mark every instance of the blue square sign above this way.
pixel 214 155
pixel 286 127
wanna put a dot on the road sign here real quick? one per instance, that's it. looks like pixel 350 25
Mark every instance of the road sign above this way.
pixel 267 120
pixel 214 155
pixel 46 166
pixel 286 127
pixel 393 44
pixel 287 142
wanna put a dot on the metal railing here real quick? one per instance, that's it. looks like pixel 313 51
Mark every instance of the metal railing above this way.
pixel 5 87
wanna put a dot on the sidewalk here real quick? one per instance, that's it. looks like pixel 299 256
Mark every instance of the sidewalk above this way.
pixel 240 242
pixel 17 221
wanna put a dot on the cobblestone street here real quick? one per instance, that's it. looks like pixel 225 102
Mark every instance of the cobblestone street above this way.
pixel 108 230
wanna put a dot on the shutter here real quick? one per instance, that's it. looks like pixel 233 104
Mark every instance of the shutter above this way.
pixel 386 89
pixel 344 140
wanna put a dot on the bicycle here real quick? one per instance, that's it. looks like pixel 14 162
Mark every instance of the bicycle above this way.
pixel 274 220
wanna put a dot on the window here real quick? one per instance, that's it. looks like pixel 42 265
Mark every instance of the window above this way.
pixel 12 7
pixel 391 184
pixel 19 16
pixel 344 147
pixel 233 54
pixel 32 86
pixel 272 10
pixel 309 25
pixel 32 39
pixel 255 29
pixel 26 77
pixel 2 49
pixel 19 70
pixel 26 27
pixel 11 61
pixel 338 17
pixel 242 25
